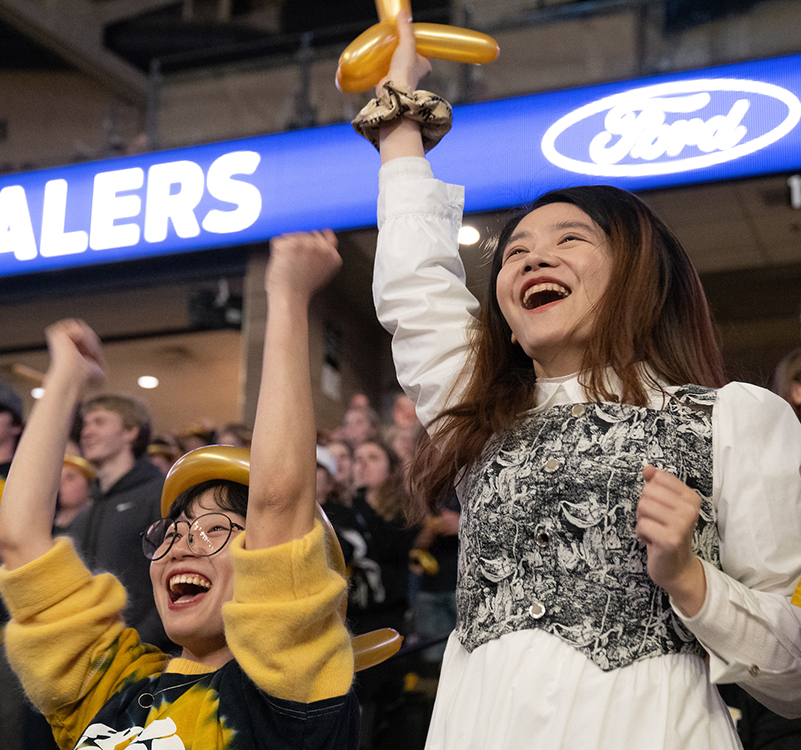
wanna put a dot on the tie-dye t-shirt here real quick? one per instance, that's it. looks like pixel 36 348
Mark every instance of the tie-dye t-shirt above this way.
pixel 223 709
pixel 100 687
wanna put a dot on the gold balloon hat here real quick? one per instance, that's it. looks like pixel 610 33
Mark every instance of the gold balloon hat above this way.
pixel 201 465
pixel 214 462
pixel 366 59
pixel 81 464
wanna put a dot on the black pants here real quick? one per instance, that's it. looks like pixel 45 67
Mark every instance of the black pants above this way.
pixel 759 728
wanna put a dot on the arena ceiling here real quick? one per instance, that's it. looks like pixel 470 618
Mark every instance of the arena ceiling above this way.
pixel 744 236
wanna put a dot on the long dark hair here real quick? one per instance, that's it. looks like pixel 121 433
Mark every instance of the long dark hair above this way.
pixel 651 323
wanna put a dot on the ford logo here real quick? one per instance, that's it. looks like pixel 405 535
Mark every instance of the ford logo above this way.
pixel 671 127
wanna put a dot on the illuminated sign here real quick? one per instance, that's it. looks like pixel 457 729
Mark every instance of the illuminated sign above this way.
pixel 723 123
pixel 174 190
pixel 661 129
pixel 169 202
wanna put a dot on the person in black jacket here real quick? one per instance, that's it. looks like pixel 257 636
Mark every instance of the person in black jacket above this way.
pixel 126 498
pixel 380 584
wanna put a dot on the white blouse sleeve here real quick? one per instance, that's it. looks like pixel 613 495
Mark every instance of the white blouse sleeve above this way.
pixel 747 624
pixel 419 281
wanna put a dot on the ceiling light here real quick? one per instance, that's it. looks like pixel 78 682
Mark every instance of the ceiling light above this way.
pixel 468 235
pixel 148 381
pixel 37 393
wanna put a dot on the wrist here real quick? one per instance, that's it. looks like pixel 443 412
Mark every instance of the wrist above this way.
pixel 65 384
pixel 400 138
pixel 282 298
pixel 687 589
pixel 430 114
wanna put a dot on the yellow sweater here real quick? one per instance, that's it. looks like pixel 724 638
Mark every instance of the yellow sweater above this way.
pixel 95 681
pixel 797 596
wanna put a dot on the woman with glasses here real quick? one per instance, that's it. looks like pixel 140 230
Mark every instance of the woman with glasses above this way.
pixel 240 575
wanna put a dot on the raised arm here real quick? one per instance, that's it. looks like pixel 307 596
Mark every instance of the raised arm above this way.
pixel 29 497
pixel 284 624
pixel 401 137
pixel 283 460
pixel 419 280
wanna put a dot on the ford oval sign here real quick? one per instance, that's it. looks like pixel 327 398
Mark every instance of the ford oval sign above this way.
pixel 671 127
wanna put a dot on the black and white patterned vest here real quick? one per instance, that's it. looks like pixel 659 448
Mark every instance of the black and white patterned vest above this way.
pixel 548 519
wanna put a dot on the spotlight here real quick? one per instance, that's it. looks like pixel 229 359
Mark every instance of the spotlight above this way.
pixel 468 235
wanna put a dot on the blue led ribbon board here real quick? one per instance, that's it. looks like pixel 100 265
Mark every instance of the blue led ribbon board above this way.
pixel 721 123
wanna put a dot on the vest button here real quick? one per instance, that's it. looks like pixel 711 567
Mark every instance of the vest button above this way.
pixel 536 610
pixel 552 464
pixel 753 670
pixel 578 410
pixel 541 537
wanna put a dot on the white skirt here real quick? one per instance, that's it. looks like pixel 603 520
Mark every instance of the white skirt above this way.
pixel 529 689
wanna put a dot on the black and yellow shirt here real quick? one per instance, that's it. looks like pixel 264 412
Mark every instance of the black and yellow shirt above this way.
pixel 100 687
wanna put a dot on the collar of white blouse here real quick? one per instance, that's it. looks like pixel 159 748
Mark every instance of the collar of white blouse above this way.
pixel 567 390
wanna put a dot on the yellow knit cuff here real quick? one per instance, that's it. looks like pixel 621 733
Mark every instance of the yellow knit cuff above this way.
pixel 283 624
pixel 48 579
pixel 294 568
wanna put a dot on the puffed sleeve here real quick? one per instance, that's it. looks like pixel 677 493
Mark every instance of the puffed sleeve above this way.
pixel 747 624
pixel 419 281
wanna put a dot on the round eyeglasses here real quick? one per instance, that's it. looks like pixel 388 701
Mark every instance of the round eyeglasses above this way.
pixel 206 535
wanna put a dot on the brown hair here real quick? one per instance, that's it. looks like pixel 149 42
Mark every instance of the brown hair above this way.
pixel 391 497
pixel 654 312
pixel 132 414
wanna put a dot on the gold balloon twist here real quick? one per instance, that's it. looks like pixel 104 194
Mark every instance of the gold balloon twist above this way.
pixel 366 59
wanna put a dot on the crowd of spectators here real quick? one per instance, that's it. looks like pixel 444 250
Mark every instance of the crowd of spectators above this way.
pixel 402 570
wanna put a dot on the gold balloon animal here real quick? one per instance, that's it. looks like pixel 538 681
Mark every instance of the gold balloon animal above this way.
pixel 366 59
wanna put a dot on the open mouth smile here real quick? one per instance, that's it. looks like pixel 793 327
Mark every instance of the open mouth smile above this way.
pixel 543 293
pixel 185 588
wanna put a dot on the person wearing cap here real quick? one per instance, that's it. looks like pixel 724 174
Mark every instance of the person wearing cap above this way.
pixel 195 436
pixel 74 492
pixel 162 453
pixel 266 660
pixel 330 497
pixel 326 474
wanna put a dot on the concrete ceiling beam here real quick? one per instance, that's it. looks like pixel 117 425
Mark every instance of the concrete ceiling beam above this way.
pixel 72 31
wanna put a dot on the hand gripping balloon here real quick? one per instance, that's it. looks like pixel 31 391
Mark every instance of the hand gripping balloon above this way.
pixel 366 59
pixel 233 464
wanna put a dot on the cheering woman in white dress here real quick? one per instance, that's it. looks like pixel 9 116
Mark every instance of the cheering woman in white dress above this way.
pixel 630 522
